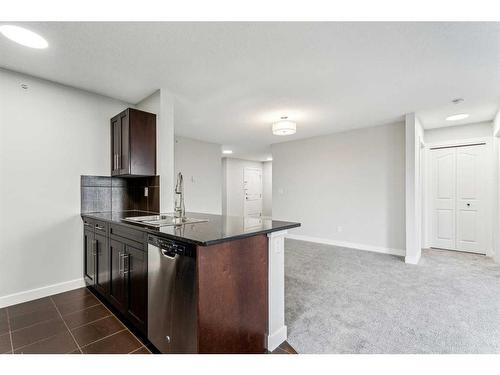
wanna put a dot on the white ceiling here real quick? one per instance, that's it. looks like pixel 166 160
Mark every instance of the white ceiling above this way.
pixel 480 111
pixel 232 80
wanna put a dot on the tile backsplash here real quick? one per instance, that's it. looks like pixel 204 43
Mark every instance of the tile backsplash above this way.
pixel 104 193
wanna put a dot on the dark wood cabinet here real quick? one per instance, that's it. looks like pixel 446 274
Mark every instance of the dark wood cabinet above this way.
pixel 137 285
pixel 96 255
pixel 88 254
pixel 117 290
pixel 133 143
pixel 102 263
pixel 116 267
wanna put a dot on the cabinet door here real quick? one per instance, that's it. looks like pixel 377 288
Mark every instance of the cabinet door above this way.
pixel 117 286
pixel 137 286
pixel 115 144
pixel 124 152
pixel 102 264
pixel 88 256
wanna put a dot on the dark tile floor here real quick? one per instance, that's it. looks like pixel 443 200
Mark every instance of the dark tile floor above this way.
pixel 72 322
pixel 284 348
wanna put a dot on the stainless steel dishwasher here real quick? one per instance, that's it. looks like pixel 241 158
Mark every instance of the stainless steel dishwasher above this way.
pixel 172 309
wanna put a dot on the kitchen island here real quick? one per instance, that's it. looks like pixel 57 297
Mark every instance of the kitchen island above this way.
pixel 224 292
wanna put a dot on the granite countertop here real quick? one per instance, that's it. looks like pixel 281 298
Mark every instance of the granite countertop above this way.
pixel 217 229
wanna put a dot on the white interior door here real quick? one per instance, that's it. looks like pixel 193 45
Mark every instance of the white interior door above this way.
pixel 252 189
pixel 471 187
pixel 458 180
pixel 443 179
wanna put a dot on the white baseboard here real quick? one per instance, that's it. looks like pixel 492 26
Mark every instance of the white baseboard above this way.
pixel 276 338
pixel 412 259
pixel 350 245
pixel 29 295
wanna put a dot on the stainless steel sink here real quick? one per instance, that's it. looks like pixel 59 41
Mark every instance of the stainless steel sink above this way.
pixel 162 220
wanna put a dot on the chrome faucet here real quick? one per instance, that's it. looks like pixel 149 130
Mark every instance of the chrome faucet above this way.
pixel 179 209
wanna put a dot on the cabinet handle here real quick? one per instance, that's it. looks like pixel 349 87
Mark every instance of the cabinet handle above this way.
pixel 126 257
pixel 87 224
pixel 97 226
pixel 119 158
pixel 94 248
pixel 120 263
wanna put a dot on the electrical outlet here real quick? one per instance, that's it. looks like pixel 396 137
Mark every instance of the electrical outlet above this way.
pixel 146 191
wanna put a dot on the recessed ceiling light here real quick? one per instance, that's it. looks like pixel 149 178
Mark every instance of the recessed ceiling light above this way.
pixel 23 36
pixel 227 152
pixel 457 117
pixel 284 127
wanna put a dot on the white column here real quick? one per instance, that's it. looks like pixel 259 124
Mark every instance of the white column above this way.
pixel 496 210
pixel 276 293
pixel 165 150
pixel 162 104
pixel 414 136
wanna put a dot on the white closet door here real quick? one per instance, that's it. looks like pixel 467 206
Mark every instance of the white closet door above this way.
pixel 458 193
pixel 471 187
pixel 443 190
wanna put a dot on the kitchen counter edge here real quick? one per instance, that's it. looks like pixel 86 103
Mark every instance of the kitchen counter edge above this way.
pixel 154 232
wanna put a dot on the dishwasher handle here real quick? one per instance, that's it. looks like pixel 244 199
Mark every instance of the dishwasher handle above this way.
pixel 168 254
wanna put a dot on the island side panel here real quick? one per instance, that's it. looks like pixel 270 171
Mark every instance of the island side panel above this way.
pixel 233 296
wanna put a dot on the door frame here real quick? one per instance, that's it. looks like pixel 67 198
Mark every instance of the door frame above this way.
pixel 427 193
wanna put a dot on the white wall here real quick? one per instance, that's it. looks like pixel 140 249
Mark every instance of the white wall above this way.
pixel 267 189
pixel 162 104
pixel 414 138
pixel 496 196
pixel 201 166
pixel 345 188
pixel 49 136
pixel 232 195
pixel 451 133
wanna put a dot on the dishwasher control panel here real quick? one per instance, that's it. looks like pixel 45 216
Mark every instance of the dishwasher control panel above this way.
pixel 172 247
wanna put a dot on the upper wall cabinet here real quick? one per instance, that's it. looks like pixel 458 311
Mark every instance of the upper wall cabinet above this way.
pixel 133 143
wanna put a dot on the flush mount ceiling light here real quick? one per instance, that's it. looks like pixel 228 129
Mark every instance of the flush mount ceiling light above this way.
pixel 227 152
pixel 23 36
pixel 457 117
pixel 284 127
